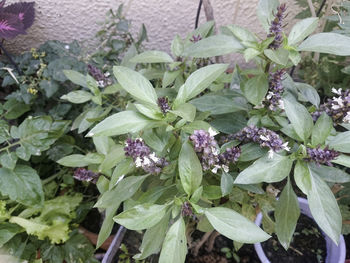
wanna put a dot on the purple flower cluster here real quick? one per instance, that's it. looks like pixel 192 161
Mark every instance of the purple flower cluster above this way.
pixel 321 156
pixel 273 98
pixel 207 148
pixel 262 136
pixel 276 27
pixel 83 174
pixel 186 210
pixel 195 39
pixel 97 74
pixel 143 157
pixel 338 108
pixel 163 104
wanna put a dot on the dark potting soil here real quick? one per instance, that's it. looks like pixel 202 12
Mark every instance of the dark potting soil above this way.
pixel 307 246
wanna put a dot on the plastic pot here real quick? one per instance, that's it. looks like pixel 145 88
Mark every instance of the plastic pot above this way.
pixel 335 254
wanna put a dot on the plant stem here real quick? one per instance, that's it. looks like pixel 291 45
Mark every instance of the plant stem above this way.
pixel 52 177
pixel 20 72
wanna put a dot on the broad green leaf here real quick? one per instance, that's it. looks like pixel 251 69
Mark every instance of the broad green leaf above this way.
pixel 136 84
pixel 152 56
pixel 294 56
pixel 115 156
pixel 169 77
pixel 286 215
pixel 153 239
pixel 7 231
pixel 266 169
pixel 174 248
pixel 329 174
pixel 331 43
pixel 198 81
pixel 235 226
pixel 141 216
pixel 121 123
pixel 308 93
pixel 242 34
pixel 250 152
pixel 149 111
pixel 226 183
pixel 8 160
pixel 279 56
pixel 266 10
pixel 186 111
pixel 216 104
pixel 341 142
pixel 79 160
pixel 77 96
pixel 125 189
pixel 190 169
pixel 75 77
pixel 212 46
pixel 299 117
pixel 177 46
pixel 250 53
pixel 321 130
pixel 256 88
pixel 324 207
pixel 302 29
pixel 302 177
pixel 103 144
pixel 107 225
pixel 14 109
pixel 122 169
pixel 22 185
pixel 342 159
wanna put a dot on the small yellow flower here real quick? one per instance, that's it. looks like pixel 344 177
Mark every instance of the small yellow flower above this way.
pixel 32 91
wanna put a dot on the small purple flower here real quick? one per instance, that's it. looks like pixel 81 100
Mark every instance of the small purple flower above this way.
pixel 273 98
pixel 163 104
pixel 231 155
pixel 321 156
pixel 186 210
pixel 97 74
pixel 276 27
pixel 195 39
pixel 143 157
pixel 338 108
pixel 83 174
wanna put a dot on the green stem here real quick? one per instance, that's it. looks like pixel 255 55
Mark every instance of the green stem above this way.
pixel 10 146
pixel 52 177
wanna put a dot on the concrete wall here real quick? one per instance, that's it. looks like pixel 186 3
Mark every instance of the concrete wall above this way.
pixel 66 20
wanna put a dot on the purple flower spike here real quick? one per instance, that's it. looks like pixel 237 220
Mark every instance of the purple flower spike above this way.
pixel 143 157
pixel 273 98
pixel 163 104
pixel 97 74
pixel 85 175
pixel 321 156
pixel 276 27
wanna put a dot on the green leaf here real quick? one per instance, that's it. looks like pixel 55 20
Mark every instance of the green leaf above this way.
pixel 177 46
pixel 22 185
pixel 299 117
pixel 136 84
pixel 265 11
pixel 235 226
pixel 15 109
pixel 121 123
pixel 115 156
pixel 266 169
pixel 341 142
pixel 216 104
pixel 302 177
pixel 79 160
pixel 169 77
pixel 77 96
pixel 294 56
pixel 342 159
pixel 308 93
pixel 329 174
pixel 250 152
pixel 250 53
pixel 174 248
pixel 153 239
pixel 79 249
pixel 190 169
pixel 152 56
pixel 286 215
pixel 279 56
pixel 226 183
pixel 8 160
pixel 141 216
pixel 256 88
pixel 149 111
pixel 75 77
pixel 186 111
pixel 324 207
pixel 321 130
pixel 107 225
pixel 124 189
pixel 331 43
pixel 302 29
pixel 212 46
pixel 198 81
pixel 242 34
pixel 7 231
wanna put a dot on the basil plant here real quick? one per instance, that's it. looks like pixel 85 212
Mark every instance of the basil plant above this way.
pixel 197 147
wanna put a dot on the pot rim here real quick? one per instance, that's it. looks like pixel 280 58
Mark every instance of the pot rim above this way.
pixel 331 246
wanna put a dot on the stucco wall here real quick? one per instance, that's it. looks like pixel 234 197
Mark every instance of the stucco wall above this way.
pixel 76 19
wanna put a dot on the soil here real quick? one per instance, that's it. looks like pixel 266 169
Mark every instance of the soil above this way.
pixel 307 246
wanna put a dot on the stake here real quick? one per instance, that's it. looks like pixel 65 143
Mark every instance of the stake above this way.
pixel 113 248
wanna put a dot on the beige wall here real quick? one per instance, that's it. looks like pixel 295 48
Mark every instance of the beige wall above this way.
pixel 76 19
